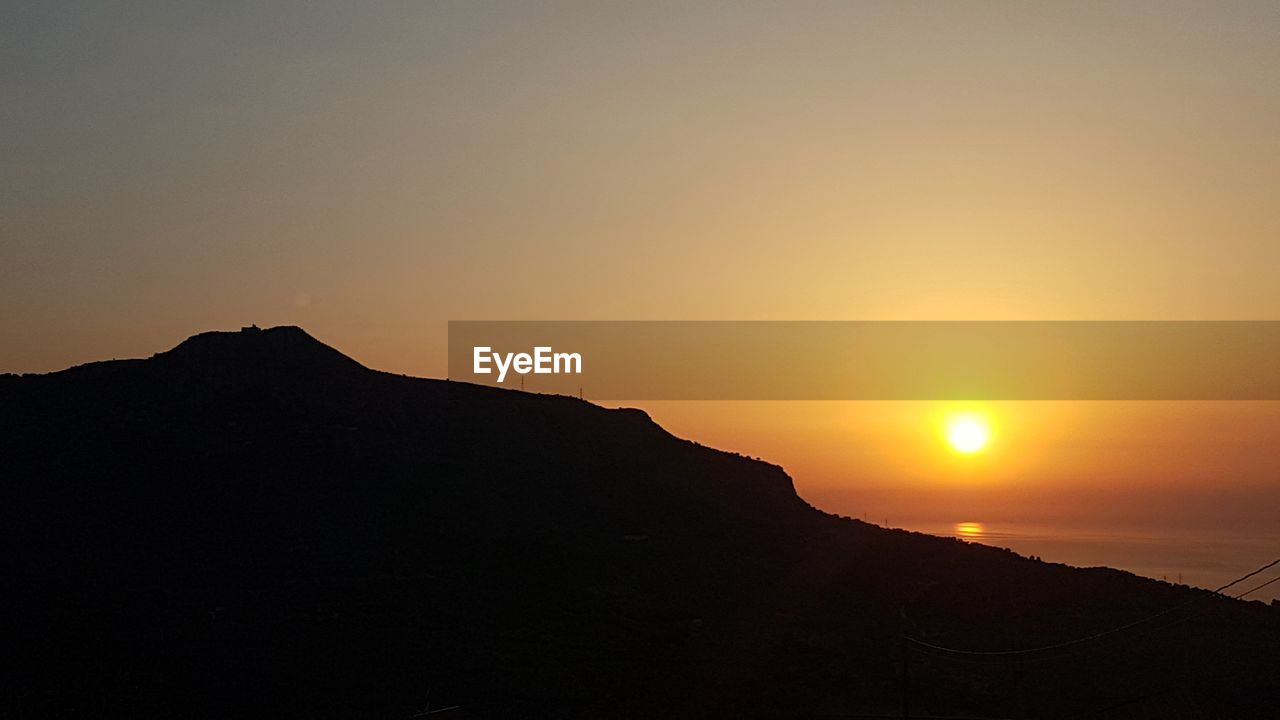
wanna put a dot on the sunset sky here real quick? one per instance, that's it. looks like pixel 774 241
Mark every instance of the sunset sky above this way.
pixel 371 171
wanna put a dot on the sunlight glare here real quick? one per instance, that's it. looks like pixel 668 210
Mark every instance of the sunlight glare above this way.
pixel 968 433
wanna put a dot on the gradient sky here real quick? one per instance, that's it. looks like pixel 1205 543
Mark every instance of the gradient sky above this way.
pixel 372 170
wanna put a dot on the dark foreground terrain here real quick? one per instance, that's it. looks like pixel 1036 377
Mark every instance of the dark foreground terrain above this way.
pixel 253 524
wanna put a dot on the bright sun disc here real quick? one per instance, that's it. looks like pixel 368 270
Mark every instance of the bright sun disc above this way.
pixel 968 433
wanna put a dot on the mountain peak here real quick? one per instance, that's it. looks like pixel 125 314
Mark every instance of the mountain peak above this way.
pixel 285 347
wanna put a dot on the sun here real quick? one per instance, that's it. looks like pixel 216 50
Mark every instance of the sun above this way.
pixel 968 433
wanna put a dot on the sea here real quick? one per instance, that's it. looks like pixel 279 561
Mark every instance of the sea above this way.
pixel 1207 559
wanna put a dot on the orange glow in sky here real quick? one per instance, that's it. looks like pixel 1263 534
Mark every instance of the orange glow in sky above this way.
pixel 375 171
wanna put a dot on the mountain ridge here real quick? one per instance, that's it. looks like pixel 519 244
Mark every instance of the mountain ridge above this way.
pixel 252 522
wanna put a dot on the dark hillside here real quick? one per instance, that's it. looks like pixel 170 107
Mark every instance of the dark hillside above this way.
pixel 254 524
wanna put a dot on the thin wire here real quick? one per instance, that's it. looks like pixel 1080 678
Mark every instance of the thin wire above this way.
pixel 1250 592
pixel 1035 659
pixel 1140 698
pixel 1097 635
pixel 1242 578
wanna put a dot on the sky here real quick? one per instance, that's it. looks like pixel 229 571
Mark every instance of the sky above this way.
pixel 370 171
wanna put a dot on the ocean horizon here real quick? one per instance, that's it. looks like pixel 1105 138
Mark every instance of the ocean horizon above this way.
pixel 1200 557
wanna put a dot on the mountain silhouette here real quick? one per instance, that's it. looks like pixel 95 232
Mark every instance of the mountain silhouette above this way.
pixel 254 524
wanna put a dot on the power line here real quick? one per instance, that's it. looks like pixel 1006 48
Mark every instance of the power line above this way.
pixel 1032 655
pixel 1155 693
pixel 1242 578
pixel 1253 590
pixel 1097 635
